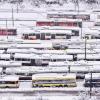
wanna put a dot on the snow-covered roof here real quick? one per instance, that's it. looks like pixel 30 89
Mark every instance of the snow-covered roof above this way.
pixel 50 0
pixel 94 76
pixel 5 56
pixel 9 78
pixel 61 64
pixel 60 20
pixel 45 45
pixel 79 69
pixel 56 28
pixel 36 69
pixel 10 64
pixel 69 12
pixel 9 27
pixel 56 31
pixel 43 56
pixel 53 76
pixel 51 51
pixel 2 51
pixel 88 56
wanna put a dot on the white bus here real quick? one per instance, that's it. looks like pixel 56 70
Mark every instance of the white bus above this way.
pixel 9 81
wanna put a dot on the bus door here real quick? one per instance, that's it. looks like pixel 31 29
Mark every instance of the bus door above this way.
pixel 37 36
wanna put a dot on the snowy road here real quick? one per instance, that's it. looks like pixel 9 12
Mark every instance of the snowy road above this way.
pixel 26 89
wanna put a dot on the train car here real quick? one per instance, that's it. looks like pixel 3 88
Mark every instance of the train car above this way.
pixel 91 33
pixel 89 57
pixel 8 31
pixel 85 16
pixel 9 81
pixel 35 51
pixel 43 59
pixel 5 57
pixel 34 46
pixel 65 23
pixel 54 80
pixel 21 50
pixel 4 63
pixel 29 71
pixel 92 80
pixel 80 51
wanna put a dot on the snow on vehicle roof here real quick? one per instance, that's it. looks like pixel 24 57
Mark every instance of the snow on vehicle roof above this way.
pixel 43 56
pixel 10 64
pixel 53 75
pixel 88 56
pixel 50 0
pixel 59 28
pixel 36 69
pixel 69 12
pixel 71 63
pixel 8 27
pixel 60 20
pixel 27 31
pixel 81 51
pixel 69 57
pixel 56 31
pixel 58 64
pixel 51 51
pixel 45 45
pixel 87 31
pixel 9 78
pixel 56 28
pixel 79 69
pixel 0 70
pixel 5 56
pixel 2 51
pixel 16 50
pixel 94 76
pixel 4 46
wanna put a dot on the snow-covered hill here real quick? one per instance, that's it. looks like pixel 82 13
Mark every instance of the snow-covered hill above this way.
pixel 44 5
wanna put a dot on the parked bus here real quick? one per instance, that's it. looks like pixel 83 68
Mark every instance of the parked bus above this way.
pixel 9 81
pixel 54 80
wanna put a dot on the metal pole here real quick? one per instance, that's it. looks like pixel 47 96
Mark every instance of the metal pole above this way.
pixel 17 7
pixel 12 17
pixel 7 28
pixel 85 47
pixel 69 68
pixel 91 85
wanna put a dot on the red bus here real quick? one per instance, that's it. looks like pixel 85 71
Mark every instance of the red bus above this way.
pixel 9 32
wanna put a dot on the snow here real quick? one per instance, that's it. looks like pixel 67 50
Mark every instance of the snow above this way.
pixel 9 78
pixel 19 46
pixel 35 69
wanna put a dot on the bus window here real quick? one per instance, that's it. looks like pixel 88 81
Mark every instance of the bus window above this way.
pixel 37 36
pixel 53 36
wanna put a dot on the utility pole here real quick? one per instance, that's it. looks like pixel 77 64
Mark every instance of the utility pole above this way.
pixel 12 17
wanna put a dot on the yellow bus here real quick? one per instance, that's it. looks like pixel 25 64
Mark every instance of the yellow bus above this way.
pixel 54 80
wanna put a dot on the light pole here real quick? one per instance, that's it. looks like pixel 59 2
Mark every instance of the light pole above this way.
pixel 85 46
pixel 91 85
